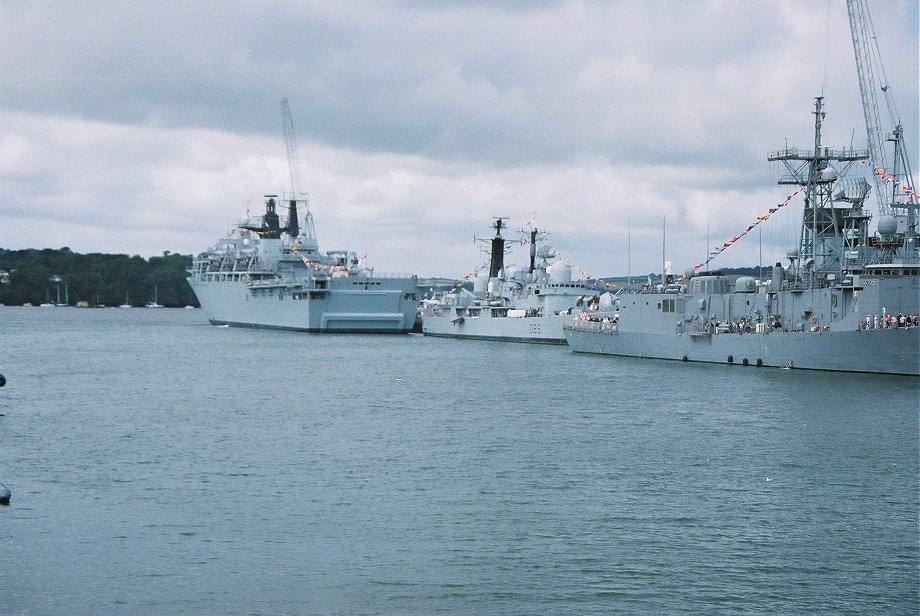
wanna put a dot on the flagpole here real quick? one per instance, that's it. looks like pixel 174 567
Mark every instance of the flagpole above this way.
pixel 663 222
pixel 707 245
pixel 629 253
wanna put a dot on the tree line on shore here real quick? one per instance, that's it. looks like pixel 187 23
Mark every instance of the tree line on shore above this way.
pixel 49 275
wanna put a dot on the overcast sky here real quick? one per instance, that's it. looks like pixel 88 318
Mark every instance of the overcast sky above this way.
pixel 141 127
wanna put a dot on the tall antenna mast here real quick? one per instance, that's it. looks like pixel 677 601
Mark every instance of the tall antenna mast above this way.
pixel 629 253
pixel 663 272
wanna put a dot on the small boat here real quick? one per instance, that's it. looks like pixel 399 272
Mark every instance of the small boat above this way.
pixel 154 303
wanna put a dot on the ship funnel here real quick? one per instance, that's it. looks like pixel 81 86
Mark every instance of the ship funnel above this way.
pixel 533 249
pixel 293 227
pixel 777 279
pixel 497 260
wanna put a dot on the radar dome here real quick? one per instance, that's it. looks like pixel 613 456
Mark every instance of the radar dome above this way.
pixel 887 225
pixel 560 271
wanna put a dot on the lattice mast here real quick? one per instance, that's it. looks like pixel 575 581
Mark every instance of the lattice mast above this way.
pixel 824 227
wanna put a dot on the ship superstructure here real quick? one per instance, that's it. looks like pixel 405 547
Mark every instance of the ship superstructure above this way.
pixel 514 304
pixel 847 300
pixel 272 275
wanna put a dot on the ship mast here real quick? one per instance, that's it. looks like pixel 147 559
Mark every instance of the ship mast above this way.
pixel 824 226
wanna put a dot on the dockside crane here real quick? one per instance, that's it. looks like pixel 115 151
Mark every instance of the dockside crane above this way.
pixel 894 184
pixel 290 145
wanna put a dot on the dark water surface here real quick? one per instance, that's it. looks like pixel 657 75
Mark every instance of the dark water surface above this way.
pixel 161 465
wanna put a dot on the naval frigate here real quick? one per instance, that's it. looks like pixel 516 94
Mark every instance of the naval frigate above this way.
pixel 512 304
pixel 270 274
pixel 847 301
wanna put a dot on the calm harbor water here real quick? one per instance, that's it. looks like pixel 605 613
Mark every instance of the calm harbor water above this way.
pixel 161 465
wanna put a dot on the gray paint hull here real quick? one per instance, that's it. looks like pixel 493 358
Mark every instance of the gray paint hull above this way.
pixel 346 306
pixel 884 351
pixel 538 330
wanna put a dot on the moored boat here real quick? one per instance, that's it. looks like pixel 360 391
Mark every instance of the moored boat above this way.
pixel 512 304
pixel 268 275
pixel 848 300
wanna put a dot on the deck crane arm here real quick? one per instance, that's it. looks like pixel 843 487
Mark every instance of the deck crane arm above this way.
pixel 290 145
pixel 859 28
pixel 865 49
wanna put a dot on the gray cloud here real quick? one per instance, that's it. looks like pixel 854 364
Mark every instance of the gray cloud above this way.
pixel 423 118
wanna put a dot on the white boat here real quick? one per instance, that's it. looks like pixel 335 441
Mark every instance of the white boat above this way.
pixel 154 303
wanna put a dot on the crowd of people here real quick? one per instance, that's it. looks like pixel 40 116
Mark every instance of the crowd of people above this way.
pixel 889 321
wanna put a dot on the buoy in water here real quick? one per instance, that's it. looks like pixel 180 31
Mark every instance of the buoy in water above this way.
pixel 2 380
pixel 4 495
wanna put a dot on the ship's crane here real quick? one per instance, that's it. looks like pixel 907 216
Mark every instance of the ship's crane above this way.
pixel 290 145
pixel 900 201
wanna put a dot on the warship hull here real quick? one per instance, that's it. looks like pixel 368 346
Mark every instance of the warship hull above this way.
pixel 848 301
pixel 348 305
pixel 509 304
pixel 883 351
pixel 539 330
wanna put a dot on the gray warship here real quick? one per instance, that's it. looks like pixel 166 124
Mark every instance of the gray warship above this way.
pixel 511 304
pixel 847 301
pixel 269 273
